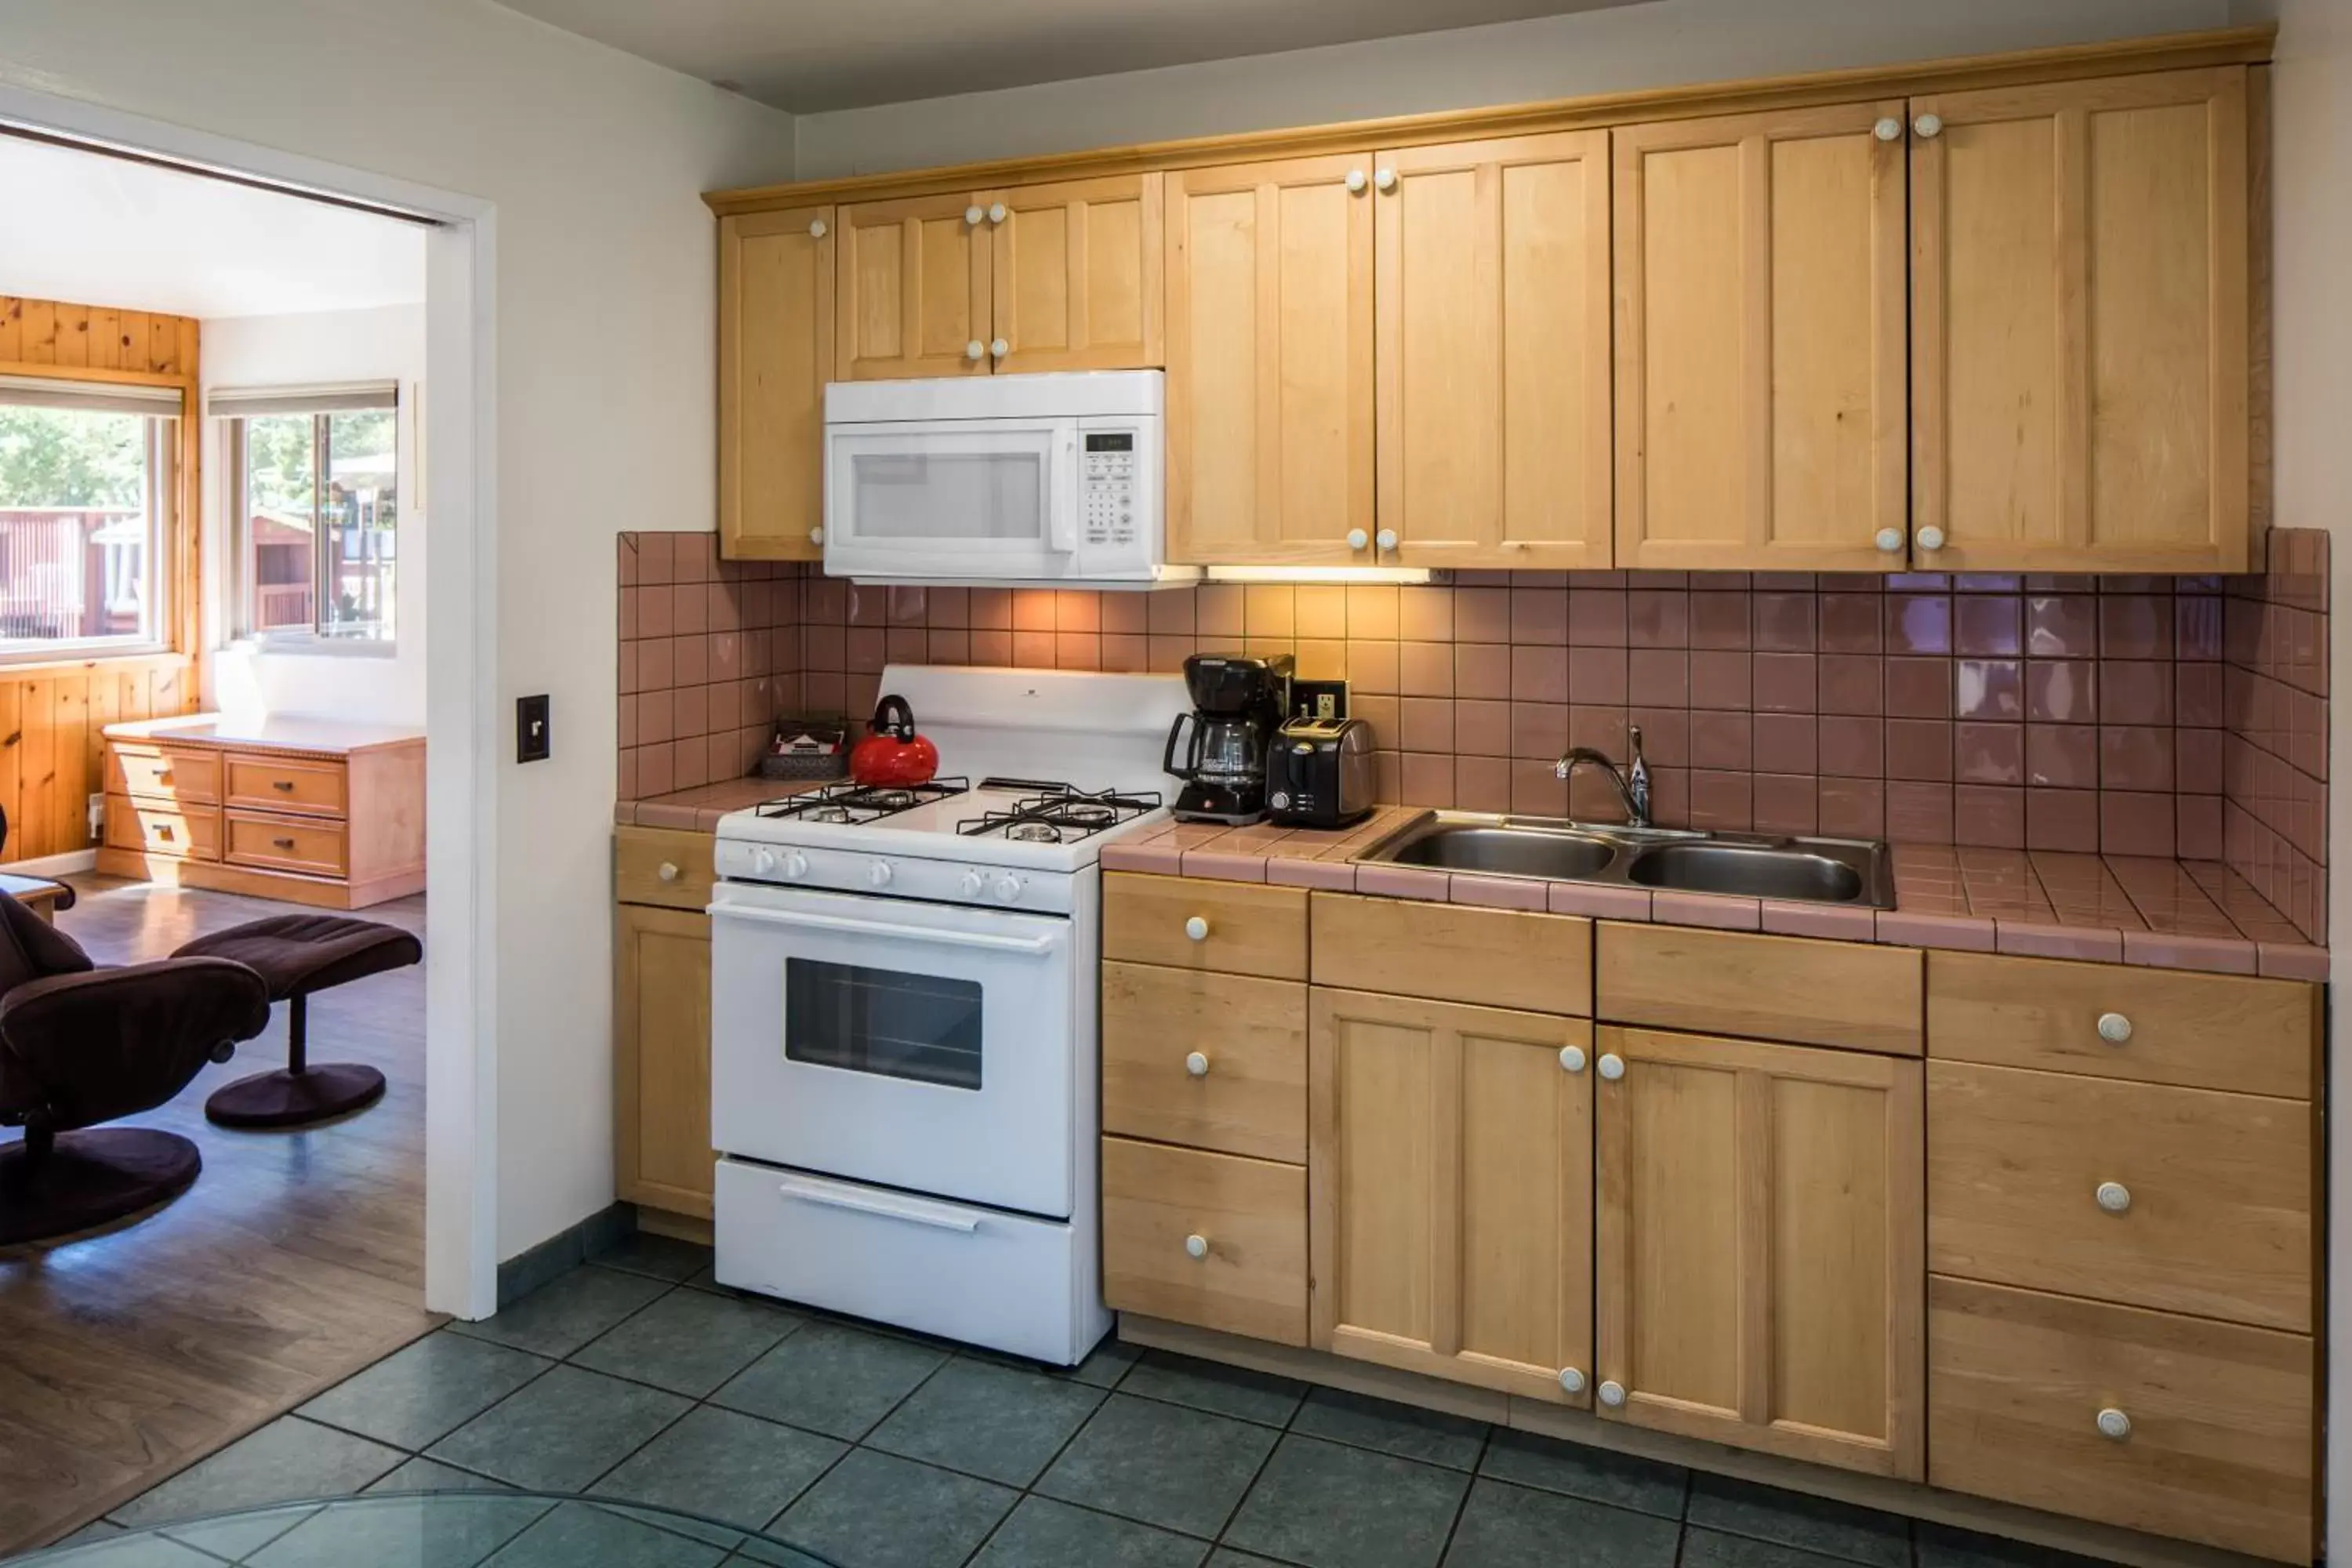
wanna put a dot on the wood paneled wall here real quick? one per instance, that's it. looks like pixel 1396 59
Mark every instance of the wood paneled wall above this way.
pixel 52 715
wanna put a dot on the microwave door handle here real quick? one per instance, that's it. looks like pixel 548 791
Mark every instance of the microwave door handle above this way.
pixel 889 930
pixel 1061 507
pixel 885 1206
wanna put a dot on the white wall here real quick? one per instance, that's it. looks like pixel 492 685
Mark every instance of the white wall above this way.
pixel 360 682
pixel 1662 44
pixel 606 362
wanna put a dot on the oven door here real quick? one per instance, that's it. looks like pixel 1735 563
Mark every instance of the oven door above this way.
pixel 951 497
pixel 930 1046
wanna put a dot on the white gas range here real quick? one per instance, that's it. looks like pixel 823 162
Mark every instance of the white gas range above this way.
pixel 904 1039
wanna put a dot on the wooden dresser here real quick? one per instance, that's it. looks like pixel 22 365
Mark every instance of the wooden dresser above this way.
pixel 313 811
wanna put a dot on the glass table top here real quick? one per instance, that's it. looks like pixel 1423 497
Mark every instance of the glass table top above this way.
pixel 435 1529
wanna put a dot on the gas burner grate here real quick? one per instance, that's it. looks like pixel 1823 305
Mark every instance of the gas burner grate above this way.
pixel 843 803
pixel 1057 814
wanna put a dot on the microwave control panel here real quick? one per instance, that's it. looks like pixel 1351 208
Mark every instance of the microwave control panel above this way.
pixel 1107 483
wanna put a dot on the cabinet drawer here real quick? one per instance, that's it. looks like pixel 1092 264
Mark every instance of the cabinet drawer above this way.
pixel 2219 1446
pixel 1249 1217
pixel 193 832
pixel 1246 1037
pixel 288 784
pixel 1453 952
pixel 663 866
pixel 1243 929
pixel 284 844
pixel 2199 1031
pixel 1769 987
pixel 2211 1195
pixel 158 774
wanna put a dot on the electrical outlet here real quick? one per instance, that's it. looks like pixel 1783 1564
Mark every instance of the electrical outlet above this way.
pixel 531 743
pixel 1319 699
pixel 98 819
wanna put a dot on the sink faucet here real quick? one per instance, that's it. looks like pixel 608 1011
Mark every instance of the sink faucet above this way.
pixel 1632 784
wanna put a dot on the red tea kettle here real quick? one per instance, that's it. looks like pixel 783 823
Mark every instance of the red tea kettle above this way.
pixel 892 754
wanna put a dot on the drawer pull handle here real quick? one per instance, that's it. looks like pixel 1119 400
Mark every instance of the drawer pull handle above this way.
pixel 162 831
pixel 1612 1068
pixel 286 784
pixel 2113 1196
pixel 2113 1028
pixel 1197 1064
pixel 1572 1059
pixel 1197 928
pixel 1571 1380
pixel 1196 1247
pixel 1612 1392
pixel 283 842
pixel 164 776
pixel 668 871
pixel 2113 1425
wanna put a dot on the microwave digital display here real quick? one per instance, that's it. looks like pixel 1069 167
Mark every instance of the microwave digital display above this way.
pixel 1121 442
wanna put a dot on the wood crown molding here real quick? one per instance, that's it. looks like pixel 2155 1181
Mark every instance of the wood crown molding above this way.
pixel 2174 52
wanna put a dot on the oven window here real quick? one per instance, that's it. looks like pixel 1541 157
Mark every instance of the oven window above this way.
pixel 948 497
pixel 882 1021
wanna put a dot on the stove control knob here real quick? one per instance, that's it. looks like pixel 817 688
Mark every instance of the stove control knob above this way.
pixel 973 885
pixel 879 873
pixel 1005 889
pixel 764 861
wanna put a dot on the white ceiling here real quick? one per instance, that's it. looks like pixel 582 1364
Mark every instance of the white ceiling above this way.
pixel 105 231
pixel 808 56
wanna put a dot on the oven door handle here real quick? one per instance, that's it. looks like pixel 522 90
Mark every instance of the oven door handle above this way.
pixel 883 1205
pixel 1027 944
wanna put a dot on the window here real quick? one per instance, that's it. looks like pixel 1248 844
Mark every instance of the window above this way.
pixel 317 477
pixel 89 486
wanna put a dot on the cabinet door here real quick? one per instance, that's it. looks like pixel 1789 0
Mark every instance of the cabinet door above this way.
pixel 1760 1268
pixel 1449 1160
pixel 775 354
pixel 1760 298
pixel 913 298
pixel 1077 274
pixel 2080 325
pixel 661 1055
pixel 1270 363
pixel 1492 279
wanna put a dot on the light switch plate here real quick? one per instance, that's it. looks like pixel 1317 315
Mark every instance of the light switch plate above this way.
pixel 531 741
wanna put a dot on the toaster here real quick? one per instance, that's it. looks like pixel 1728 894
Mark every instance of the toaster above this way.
pixel 1319 772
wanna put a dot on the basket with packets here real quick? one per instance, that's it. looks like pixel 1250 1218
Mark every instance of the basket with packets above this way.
pixel 807 749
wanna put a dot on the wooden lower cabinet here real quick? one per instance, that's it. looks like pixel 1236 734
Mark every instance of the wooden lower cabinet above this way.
pixel 1759 1260
pixel 661 1057
pixel 1205 1238
pixel 2176 1426
pixel 1450 1190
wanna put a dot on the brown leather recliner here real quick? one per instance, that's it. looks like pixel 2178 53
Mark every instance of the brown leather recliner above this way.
pixel 80 1045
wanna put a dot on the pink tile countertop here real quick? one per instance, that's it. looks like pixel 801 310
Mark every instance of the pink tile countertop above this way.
pixel 699 810
pixel 2166 914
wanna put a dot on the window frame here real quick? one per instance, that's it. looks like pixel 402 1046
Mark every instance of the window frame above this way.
pixel 235 409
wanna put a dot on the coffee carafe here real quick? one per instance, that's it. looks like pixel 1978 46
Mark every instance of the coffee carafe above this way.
pixel 1239 702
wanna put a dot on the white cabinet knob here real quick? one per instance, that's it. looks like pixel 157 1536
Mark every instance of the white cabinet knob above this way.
pixel 816 228
pixel 1197 928
pixel 1358 539
pixel 1000 348
pixel 2113 1028
pixel 1889 539
pixel 668 871
pixel 972 215
pixel 1385 179
pixel 1887 129
pixel 1197 1064
pixel 2113 1425
pixel 996 213
pixel 1385 539
pixel 1931 538
pixel 2113 1196
pixel 975 350
pixel 1612 1392
pixel 1928 125
pixel 1196 1246
pixel 1355 179
pixel 1613 1066
pixel 816 536
pixel 1572 1058
pixel 1571 1380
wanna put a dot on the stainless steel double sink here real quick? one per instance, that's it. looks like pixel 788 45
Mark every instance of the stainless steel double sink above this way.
pixel 1858 873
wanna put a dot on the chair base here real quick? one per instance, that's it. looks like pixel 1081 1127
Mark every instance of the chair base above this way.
pixel 91 1179
pixel 287 1099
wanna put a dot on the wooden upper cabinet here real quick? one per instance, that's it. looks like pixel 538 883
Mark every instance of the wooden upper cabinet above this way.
pixel 775 354
pixel 1761 348
pixel 1759 1267
pixel 1270 363
pixel 1450 1191
pixel 1492 269
pixel 914 293
pixel 1077 266
pixel 2080 325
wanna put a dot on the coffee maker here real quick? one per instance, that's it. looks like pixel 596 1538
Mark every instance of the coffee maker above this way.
pixel 1239 702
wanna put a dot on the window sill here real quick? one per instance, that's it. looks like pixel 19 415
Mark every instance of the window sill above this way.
pixel 312 648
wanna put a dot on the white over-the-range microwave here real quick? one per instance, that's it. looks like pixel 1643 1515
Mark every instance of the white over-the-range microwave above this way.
pixel 999 480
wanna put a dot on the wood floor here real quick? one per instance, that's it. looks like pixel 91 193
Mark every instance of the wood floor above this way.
pixel 295 1260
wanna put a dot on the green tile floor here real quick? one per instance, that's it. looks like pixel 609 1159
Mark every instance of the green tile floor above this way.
pixel 637 1379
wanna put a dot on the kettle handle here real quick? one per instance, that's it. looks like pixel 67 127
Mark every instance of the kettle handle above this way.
pixel 1192 753
pixel 893 718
